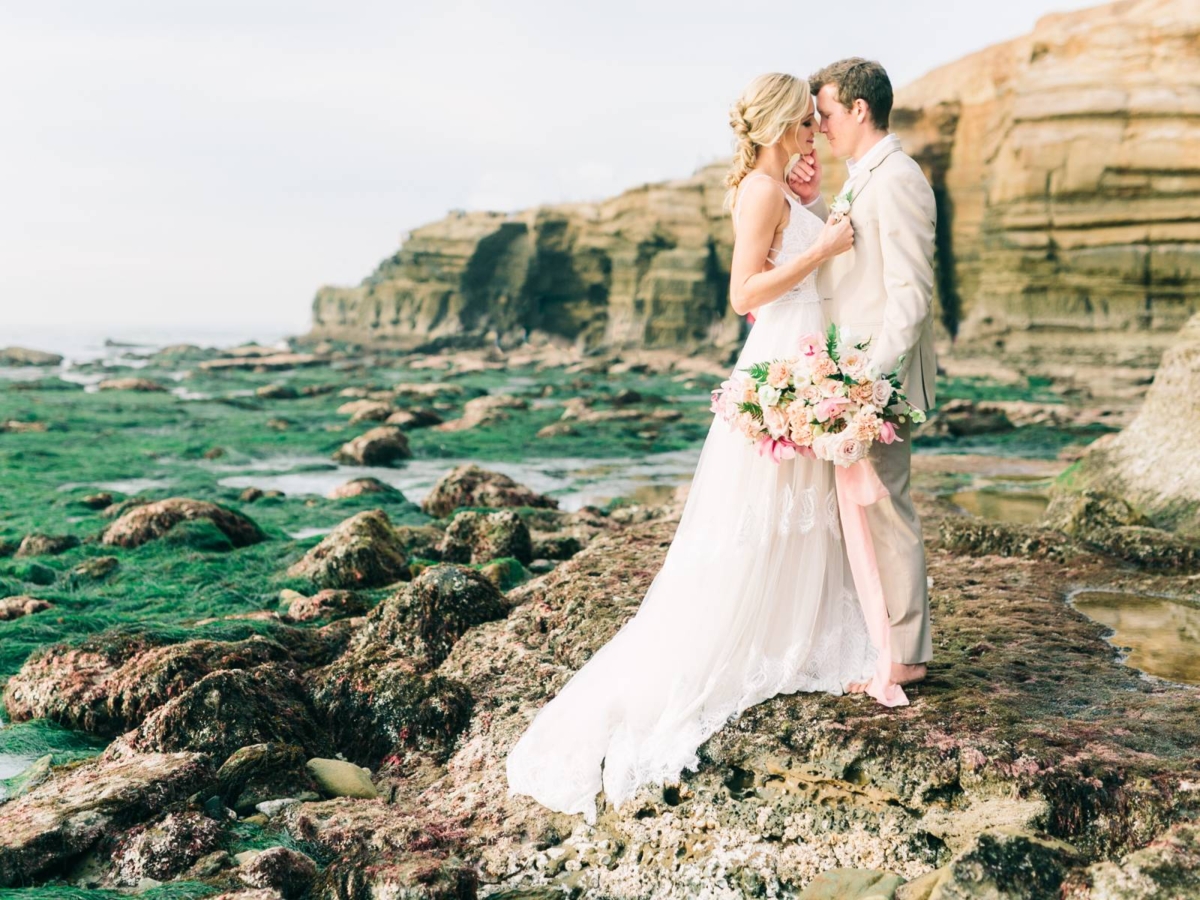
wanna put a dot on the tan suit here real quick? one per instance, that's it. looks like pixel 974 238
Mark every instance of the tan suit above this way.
pixel 883 287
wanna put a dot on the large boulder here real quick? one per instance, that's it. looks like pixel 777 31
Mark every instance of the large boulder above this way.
pixel 1168 868
pixel 110 682
pixel 23 356
pixel 228 710
pixel 380 446
pixel 484 410
pixel 327 604
pixel 152 520
pixel 378 706
pixel 165 848
pixel 475 537
pixel 70 813
pixel 1147 464
pixel 469 485
pixel 361 552
pixel 22 605
pixel 288 871
pixel 357 487
pixel 427 617
pixel 46 544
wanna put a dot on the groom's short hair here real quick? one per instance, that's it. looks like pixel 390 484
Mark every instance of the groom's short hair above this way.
pixel 857 77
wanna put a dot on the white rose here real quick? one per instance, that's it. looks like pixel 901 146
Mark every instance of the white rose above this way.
pixel 853 362
pixel 768 396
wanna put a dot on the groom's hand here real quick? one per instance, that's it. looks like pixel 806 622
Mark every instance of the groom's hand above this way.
pixel 805 178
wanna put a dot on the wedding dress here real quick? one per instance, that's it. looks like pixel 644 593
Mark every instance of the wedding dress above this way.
pixel 754 598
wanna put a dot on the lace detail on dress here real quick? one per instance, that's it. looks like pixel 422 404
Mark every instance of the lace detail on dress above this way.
pixel 832 519
pixel 798 513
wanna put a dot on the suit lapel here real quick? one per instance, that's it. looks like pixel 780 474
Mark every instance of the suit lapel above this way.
pixel 861 180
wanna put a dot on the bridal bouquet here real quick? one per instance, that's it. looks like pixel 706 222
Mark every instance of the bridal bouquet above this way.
pixel 824 403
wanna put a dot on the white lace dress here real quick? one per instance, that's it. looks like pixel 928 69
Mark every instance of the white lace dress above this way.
pixel 754 598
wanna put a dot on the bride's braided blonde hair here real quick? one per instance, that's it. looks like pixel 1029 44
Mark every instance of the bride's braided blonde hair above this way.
pixel 768 106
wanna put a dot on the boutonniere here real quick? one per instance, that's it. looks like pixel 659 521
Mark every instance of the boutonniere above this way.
pixel 841 204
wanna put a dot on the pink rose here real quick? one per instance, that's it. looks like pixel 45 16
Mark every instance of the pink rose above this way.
pixel 832 387
pixel 848 450
pixel 830 408
pixel 776 421
pixel 881 393
pixel 853 362
pixel 810 394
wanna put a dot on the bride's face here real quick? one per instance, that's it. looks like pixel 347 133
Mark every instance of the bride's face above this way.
pixel 801 136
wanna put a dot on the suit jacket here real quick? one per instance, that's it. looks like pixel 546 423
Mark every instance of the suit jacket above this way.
pixel 883 285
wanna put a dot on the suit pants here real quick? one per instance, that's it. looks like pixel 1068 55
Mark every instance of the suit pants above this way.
pixel 896 534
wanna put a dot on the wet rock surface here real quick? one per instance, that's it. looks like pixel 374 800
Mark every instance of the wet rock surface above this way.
pixel 470 485
pixel 149 521
pixel 380 446
pixel 70 813
pixel 361 552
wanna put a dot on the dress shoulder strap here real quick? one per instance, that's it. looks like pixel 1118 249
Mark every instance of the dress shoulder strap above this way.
pixel 737 202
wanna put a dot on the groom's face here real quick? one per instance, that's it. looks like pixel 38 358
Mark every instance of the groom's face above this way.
pixel 838 124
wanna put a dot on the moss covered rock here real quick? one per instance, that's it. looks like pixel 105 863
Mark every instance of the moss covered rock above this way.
pixel 361 552
pixel 228 710
pixel 153 520
pixel 380 446
pixel 475 537
pixel 427 617
pixel 469 485
pixel 260 772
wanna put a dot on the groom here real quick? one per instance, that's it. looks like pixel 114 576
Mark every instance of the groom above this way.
pixel 883 287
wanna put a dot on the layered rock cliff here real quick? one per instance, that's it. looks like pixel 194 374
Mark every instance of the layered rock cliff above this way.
pixel 648 267
pixel 1067 163
pixel 1066 166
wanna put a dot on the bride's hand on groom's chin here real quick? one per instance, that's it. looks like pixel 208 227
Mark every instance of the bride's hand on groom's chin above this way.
pixel 805 178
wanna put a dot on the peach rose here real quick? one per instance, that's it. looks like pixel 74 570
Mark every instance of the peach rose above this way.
pixel 778 374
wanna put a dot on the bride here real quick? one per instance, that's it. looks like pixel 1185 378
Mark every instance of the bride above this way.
pixel 755 597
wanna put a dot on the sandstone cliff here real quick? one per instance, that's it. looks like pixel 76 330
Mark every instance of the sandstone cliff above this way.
pixel 1066 166
pixel 648 267
pixel 1151 464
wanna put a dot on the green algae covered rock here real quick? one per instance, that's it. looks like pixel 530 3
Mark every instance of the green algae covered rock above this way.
pixel 231 709
pixel 153 520
pixel 361 552
pixel 475 537
pixel 427 617
pixel 469 485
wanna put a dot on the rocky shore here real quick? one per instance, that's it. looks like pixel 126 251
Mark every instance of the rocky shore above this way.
pixel 265 644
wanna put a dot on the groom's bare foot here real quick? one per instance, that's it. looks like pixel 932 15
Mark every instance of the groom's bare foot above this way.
pixel 902 673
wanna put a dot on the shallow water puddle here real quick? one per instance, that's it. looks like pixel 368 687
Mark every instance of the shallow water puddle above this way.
pixel 575 482
pixel 1016 506
pixel 1162 633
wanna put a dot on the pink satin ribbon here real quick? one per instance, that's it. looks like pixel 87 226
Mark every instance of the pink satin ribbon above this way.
pixel 858 486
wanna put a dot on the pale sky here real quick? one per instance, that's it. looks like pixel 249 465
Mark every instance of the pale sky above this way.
pixel 177 163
